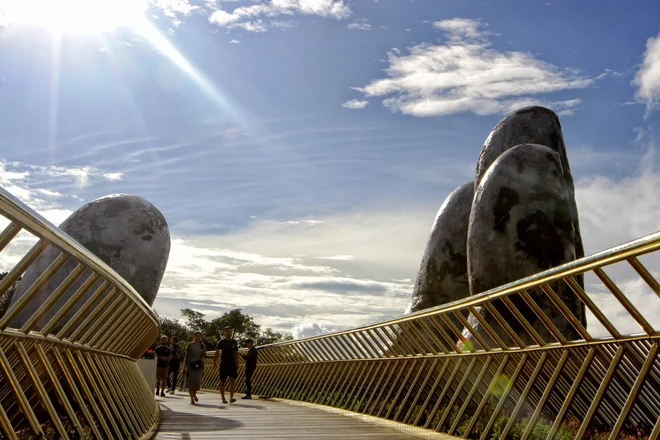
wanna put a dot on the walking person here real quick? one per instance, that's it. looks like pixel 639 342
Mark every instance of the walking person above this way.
pixel 163 355
pixel 250 366
pixel 228 363
pixel 193 366
pixel 175 365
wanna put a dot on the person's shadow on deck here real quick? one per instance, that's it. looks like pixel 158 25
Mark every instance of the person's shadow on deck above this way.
pixel 177 421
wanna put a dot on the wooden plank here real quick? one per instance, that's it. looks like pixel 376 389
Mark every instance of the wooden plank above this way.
pixel 263 419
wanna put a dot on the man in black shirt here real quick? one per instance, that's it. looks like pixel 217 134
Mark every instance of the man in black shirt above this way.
pixel 228 363
pixel 175 363
pixel 163 356
pixel 250 366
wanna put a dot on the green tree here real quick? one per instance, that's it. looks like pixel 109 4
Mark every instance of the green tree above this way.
pixel 171 327
pixel 243 325
pixel 196 322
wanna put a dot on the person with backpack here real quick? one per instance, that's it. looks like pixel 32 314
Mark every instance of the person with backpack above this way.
pixel 175 364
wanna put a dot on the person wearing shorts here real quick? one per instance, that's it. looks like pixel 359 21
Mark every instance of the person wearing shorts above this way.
pixel 163 356
pixel 228 363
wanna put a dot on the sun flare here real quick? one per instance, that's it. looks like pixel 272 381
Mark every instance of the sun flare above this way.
pixel 76 16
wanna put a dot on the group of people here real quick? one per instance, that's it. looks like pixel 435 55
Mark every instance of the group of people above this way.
pixel 170 357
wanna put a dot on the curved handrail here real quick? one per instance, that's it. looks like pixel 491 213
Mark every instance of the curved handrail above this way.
pixel 14 209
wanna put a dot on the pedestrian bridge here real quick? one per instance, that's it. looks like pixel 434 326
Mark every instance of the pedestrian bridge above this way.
pixel 73 374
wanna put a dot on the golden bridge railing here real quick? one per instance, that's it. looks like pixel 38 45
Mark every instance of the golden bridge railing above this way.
pixel 69 370
pixel 483 379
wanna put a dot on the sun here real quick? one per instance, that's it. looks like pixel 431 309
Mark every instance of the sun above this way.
pixel 74 16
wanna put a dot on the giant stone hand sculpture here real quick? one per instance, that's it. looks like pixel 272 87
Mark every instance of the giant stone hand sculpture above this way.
pixel 523 219
pixel 125 231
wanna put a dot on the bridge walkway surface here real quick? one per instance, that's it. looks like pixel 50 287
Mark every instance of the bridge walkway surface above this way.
pixel 272 419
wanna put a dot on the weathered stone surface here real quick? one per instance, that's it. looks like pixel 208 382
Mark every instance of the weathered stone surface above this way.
pixel 125 231
pixel 523 222
pixel 532 125
pixel 442 276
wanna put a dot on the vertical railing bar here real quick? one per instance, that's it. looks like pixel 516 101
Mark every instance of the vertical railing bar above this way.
pixel 100 327
pixel 33 290
pixel 386 349
pixel 625 302
pixel 420 370
pixel 396 349
pixel 501 402
pixel 130 394
pixel 433 320
pixel 645 275
pixel 96 296
pixel 362 347
pixel 393 402
pixel 641 377
pixel 118 409
pixel 6 426
pixel 459 334
pixel 23 402
pixel 523 321
pixel 323 349
pixel 388 365
pixel 114 334
pixel 89 317
pixel 337 376
pixel 349 345
pixel 546 393
pixel 121 309
pixel 470 395
pixel 559 418
pixel 8 234
pixel 402 368
pixel 523 396
pixel 432 335
pixel 486 397
pixel 345 380
pixel 475 334
pixel 432 390
pixel 78 396
pixel 41 390
pixel 325 369
pixel 395 364
pixel 423 341
pixel 588 302
pixel 505 325
pixel 549 291
pixel 413 338
pixel 307 381
pixel 293 380
pixel 52 299
pixel 458 391
pixel 493 335
pixel 87 377
pixel 444 391
pixel 77 295
pixel 335 348
pixel 371 374
pixel 353 382
pixel 655 433
pixel 367 338
pixel 618 388
pixel 396 339
pixel 547 322
pixel 306 348
pixel 422 387
pixel 20 267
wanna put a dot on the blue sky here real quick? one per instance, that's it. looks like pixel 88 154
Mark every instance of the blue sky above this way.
pixel 299 149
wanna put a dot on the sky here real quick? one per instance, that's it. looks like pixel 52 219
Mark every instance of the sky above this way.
pixel 300 149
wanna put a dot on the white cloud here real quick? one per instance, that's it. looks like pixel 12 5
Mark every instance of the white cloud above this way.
pixel 251 17
pixel 466 74
pixel 359 26
pixel 647 79
pixel 355 104
pixel 235 42
pixel 174 8
pixel 307 330
pixel 459 29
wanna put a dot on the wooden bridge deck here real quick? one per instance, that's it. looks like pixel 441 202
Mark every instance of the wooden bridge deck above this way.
pixel 269 419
